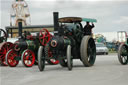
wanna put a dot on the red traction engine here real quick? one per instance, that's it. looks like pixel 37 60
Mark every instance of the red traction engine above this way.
pixel 26 49
pixel 4 47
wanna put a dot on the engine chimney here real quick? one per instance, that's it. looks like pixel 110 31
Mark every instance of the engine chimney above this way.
pixel 56 24
pixel 20 29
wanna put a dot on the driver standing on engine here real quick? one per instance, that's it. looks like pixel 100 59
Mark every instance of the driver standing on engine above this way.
pixel 88 28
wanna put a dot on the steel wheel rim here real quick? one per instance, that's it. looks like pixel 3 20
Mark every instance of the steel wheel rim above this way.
pixel 69 58
pixel 41 59
pixel 11 58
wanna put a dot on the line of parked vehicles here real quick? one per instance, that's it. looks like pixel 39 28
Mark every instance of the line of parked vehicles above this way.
pixel 68 43
pixel 62 47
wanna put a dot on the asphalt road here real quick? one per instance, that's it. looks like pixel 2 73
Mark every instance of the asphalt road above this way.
pixel 106 71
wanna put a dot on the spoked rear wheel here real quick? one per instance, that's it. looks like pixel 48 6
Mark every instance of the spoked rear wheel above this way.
pixel 63 62
pixel 10 58
pixel 28 58
pixel 4 48
pixel 52 61
pixel 48 53
pixel 123 54
pixel 88 51
pixel 41 58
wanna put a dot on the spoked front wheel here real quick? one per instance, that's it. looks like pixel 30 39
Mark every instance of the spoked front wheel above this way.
pixel 28 58
pixel 123 54
pixel 11 58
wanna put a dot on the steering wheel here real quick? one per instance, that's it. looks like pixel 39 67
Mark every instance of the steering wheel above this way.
pixel 44 36
pixel 3 35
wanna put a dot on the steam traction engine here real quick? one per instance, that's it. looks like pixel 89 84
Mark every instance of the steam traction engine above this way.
pixel 4 47
pixel 26 48
pixel 123 53
pixel 68 43
pixel 19 13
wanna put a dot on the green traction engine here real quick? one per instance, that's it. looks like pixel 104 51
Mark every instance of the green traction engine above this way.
pixel 26 48
pixel 68 43
pixel 123 53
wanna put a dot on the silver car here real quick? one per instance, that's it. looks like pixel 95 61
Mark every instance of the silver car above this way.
pixel 101 49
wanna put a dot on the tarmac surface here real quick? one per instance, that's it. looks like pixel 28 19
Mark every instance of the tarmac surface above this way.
pixel 106 71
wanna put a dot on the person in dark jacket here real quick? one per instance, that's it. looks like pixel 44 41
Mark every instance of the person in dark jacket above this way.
pixel 88 28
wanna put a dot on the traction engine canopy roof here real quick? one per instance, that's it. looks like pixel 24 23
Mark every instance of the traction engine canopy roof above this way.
pixel 75 19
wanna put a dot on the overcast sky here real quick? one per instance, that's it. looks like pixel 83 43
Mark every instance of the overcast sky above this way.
pixel 112 15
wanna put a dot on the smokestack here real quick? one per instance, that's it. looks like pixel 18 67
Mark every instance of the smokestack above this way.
pixel 56 24
pixel 20 28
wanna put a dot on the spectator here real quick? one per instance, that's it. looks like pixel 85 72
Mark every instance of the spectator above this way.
pixel 88 28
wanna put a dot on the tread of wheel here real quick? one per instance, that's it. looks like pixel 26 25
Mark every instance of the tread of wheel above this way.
pixel 69 58
pixel 83 52
pixel 41 62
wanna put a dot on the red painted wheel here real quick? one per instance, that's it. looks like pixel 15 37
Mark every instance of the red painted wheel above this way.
pixel 11 58
pixel 52 61
pixel 48 53
pixel 44 36
pixel 4 48
pixel 28 58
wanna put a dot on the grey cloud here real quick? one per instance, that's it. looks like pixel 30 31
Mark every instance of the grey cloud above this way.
pixel 104 11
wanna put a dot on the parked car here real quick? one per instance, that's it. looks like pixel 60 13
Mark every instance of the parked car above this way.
pixel 101 49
